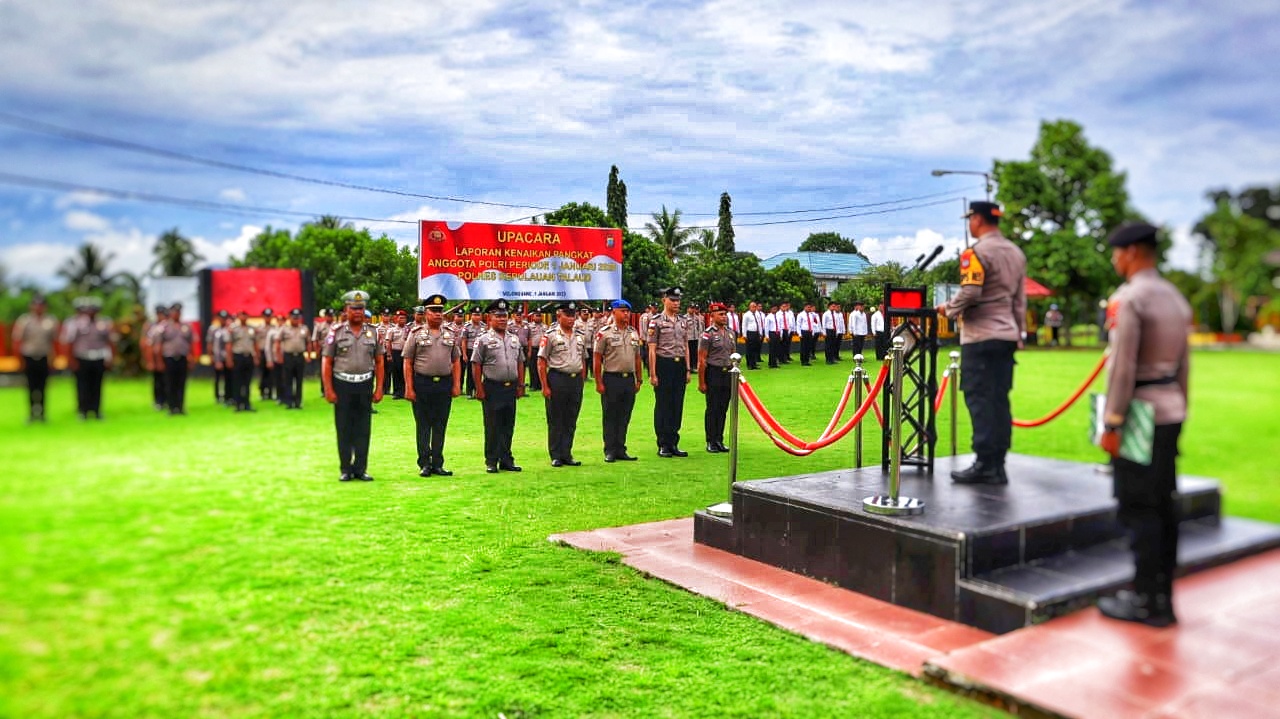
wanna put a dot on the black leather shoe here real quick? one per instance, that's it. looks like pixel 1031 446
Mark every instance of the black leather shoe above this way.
pixel 677 452
pixel 346 477
pixel 424 472
pixel 722 447
pixel 555 463
pixel 442 471
pixel 624 457
pixel 491 469
pixel 712 448
pixel 980 473
pixel 1154 610
pixel 364 477
pixel 665 452
pixel 510 468
pixel 610 458
pixel 571 462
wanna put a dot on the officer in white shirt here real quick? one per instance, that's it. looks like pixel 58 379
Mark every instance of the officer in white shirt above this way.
pixel 877 330
pixel 754 330
pixel 833 327
pixel 858 327
pixel 810 326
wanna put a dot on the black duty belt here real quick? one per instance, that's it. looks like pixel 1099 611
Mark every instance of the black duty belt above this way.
pixel 719 367
pixel 620 374
pixel 503 382
pixel 433 377
pixel 293 354
pixel 673 359
pixel 566 374
pixel 1170 379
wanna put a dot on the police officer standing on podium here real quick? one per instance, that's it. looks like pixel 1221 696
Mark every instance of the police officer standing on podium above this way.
pixel 562 363
pixel 497 361
pixel 715 345
pixel 668 372
pixel 992 303
pixel 617 368
pixel 433 377
pixel 1150 362
pixel 352 371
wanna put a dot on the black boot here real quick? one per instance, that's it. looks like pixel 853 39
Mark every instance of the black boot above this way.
pixel 1155 610
pixel 981 473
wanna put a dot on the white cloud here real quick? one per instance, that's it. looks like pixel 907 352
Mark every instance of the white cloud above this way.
pixel 80 199
pixel 233 194
pixel 35 261
pixel 82 221
pixel 905 249
pixel 218 252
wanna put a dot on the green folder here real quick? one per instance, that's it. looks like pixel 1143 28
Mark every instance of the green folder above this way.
pixel 1137 435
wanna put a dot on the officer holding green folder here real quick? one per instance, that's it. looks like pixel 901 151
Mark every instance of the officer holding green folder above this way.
pixel 1149 320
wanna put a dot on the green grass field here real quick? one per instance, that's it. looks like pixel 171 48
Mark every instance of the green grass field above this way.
pixel 212 565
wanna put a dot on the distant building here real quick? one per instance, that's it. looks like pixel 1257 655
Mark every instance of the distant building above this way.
pixel 829 269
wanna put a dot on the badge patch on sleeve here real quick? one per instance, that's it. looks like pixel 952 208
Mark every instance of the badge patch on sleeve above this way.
pixel 971 272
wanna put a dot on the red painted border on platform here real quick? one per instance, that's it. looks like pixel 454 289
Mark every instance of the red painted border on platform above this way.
pixel 1221 660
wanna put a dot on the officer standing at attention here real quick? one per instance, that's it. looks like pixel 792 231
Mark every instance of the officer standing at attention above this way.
pixel 668 373
pixel 693 327
pixel 176 353
pixel 535 331
pixel 497 362
pixel 617 367
pixel 396 335
pixel 352 370
pixel 319 331
pixel 1150 362
pixel 650 311
pixel 715 345
pixel 291 358
pixel 992 305
pixel 470 334
pixel 33 337
pixel 562 363
pixel 432 370
pixel 92 342
pixel 150 348
pixel 266 360
pixel 215 345
pixel 241 359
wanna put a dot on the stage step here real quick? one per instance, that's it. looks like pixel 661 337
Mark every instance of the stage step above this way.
pixel 1011 597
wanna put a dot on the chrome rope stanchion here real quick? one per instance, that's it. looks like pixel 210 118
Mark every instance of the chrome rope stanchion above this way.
pixel 859 377
pixel 892 503
pixel 953 371
pixel 725 509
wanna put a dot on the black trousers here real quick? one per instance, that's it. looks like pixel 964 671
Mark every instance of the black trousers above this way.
pixel 36 370
pixel 1148 510
pixel 89 376
pixel 531 364
pixel 882 345
pixel 808 347
pixel 668 404
pixel 718 396
pixel 397 376
pixel 986 377
pixel 693 355
pixel 221 384
pixel 353 419
pixel 468 378
pixel 785 355
pixel 242 380
pixel 562 407
pixel 858 344
pixel 158 397
pixel 291 379
pixel 175 383
pixel 831 347
pixel 775 349
pixel 499 421
pixel 753 349
pixel 431 417
pixel 267 377
pixel 616 405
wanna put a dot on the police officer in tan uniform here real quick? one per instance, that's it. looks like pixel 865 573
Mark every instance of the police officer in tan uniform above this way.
pixel 215 345
pixel 535 331
pixel 432 372
pixel 241 359
pixel 1149 361
pixel 668 372
pixel 497 361
pixel 150 348
pixel 992 307
pixel 470 333
pixel 716 343
pixel 562 364
pixel 319 331
pixel 33 337
pixel 176 353
pixel 694 324
pixel 92 340
pixel 618 375
pixel 291 358
pixel 352 371
pixel 396 334
pixel 264 338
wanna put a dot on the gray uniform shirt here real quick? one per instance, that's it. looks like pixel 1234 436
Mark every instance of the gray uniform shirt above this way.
pixel 35 335
pixel 563 351
pixel 433 352
pixel 352 353
pixel 293 340
pixel 617 347
pixel 242 339
pixel 320 331
pixel 175 339
pixel 90 339
pixel 667 334
pixel 992 302
pixel 499 356
pixel 1148 342
pixel 719 344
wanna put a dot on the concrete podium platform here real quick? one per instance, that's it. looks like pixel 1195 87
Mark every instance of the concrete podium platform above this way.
pixel 993 557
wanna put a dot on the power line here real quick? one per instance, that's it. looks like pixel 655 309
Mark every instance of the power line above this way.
pixel 886 211
pixel 93 138
pixel 833 209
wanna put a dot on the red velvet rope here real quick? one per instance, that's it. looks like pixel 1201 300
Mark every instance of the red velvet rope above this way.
pixel 768 423
pixel 879 414
pixel 942 391
pixel 1070 400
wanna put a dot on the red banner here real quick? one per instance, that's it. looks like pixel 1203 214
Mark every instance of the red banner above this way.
pixel 532 262
pixel 254 290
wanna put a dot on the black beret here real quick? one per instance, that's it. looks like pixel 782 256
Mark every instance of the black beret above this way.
pixel 223 314
pixel 499 306
pixel 988 210
pixel 435 302
pixel 266 312
pixel 1132 233
pixel 570 307
pixel 295 312
pixel 674 293
pixel 476 310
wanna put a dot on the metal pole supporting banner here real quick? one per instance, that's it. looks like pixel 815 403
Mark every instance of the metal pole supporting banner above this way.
pixel 859 376
pixel 953 371
pixel 725 509
pixel 892 503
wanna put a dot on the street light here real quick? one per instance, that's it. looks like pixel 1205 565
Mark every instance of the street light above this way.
pixel 985 175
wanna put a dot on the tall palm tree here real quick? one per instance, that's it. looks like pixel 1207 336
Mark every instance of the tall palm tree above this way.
pixel 87 271
pixel 706 246
pixel 666 232
pixel 175 255
pixel 331 222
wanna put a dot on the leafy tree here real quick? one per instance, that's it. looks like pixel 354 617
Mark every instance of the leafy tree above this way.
pixel 829 242
pixel 1059 205
pixel 342 259
pixel 1237 243
pixel 790 282
pixel 175 255
pixel 616 199
pixel 572 214
pixel 87 270
pixel 726 224
pixel 868 287
pixel 646 271
pixel 331 222
pixel 737 278
pixel 666 232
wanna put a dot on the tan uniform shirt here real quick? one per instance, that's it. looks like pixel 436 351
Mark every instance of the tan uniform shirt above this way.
pixel 617 348
pixel 719 344
pixel 563 351
pixel 90 339
pixel 396 335
pixel 667 333
pixel 175 339
pixel 352 353
pixel 992 302
pixel 292 340
pixel 1148 344
pixel 499 356
pixel 320 331
pixel 242 339
pixel 35 335
pixel 433 353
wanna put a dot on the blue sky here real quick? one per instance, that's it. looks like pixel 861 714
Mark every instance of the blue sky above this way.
pixel 786 106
